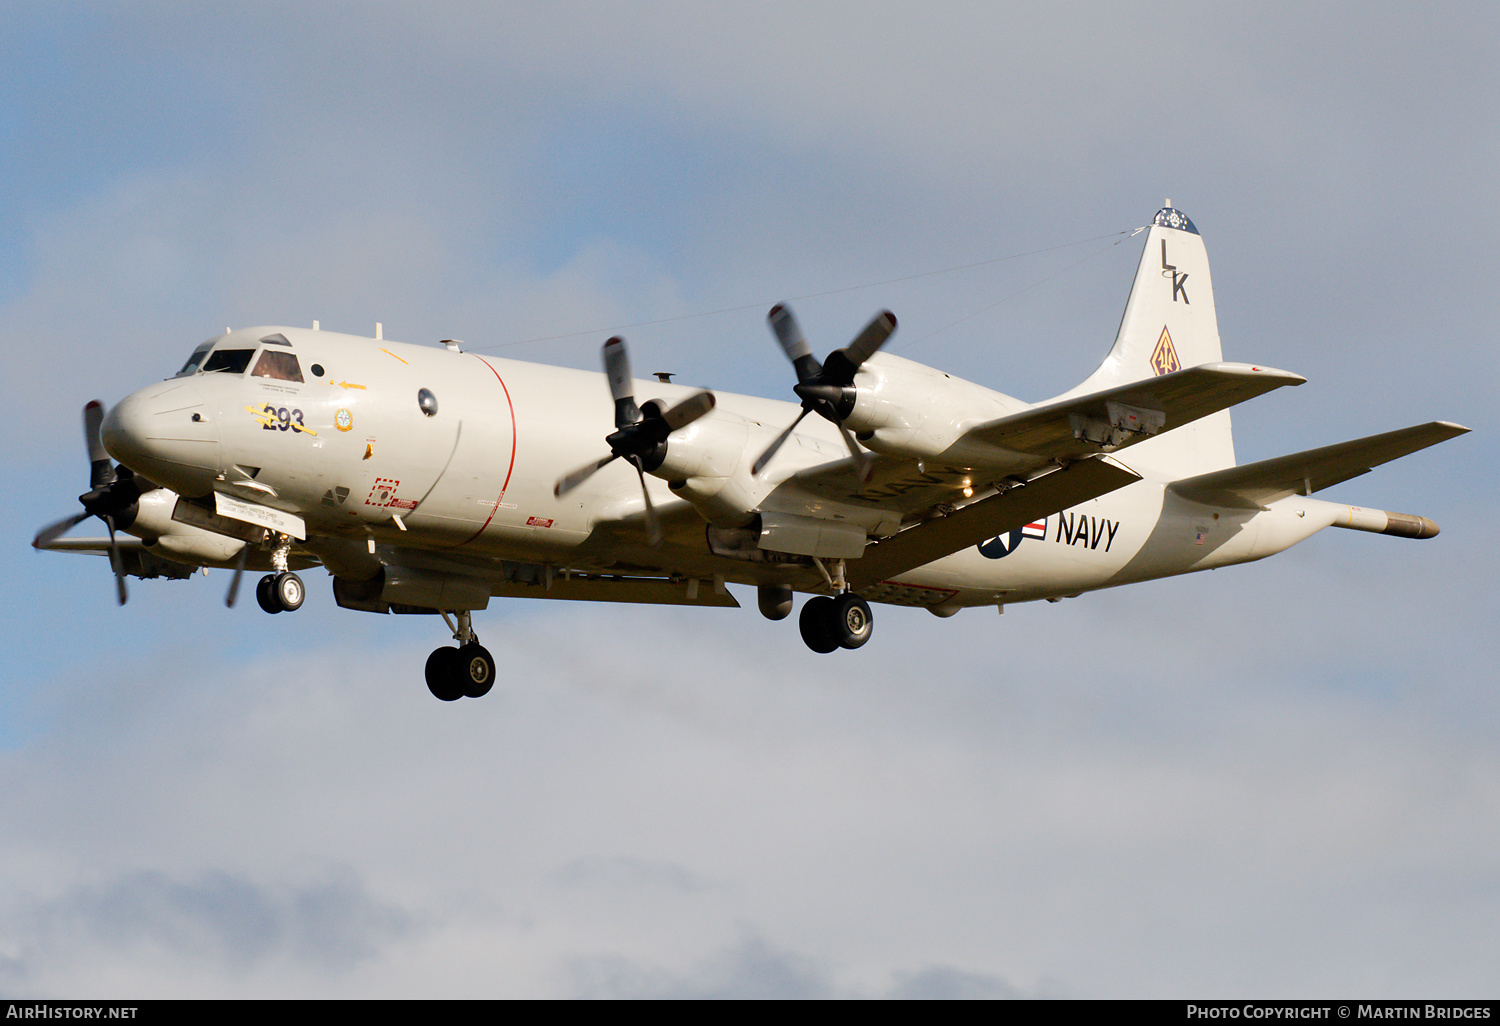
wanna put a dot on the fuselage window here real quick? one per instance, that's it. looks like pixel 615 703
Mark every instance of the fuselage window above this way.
pixel 427 401
pixel 278 365
pixel 233 361
pixel 194 360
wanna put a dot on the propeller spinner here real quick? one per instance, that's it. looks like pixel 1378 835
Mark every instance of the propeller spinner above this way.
pixel 826 389
pixel 640 435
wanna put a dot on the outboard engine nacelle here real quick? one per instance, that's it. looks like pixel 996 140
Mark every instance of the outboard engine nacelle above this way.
pixel 905 408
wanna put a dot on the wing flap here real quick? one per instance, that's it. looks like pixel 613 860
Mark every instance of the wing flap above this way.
pixel 1255 485
pixel 1053 430
pixel 613 588
pixel 998 514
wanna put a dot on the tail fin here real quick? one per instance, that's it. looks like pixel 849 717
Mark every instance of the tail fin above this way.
pixel 1169 324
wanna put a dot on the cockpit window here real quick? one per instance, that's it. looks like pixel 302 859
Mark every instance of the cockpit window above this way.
pixel 194 360
pixel 232 360
pixel 278 365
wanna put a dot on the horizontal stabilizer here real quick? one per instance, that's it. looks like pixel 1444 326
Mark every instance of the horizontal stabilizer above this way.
pixel 1256 485
pixel 1126 414
pixel 998 514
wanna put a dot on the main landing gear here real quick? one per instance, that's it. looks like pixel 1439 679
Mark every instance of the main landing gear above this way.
pixel 840 620
pixel 835 621
pixel 467 671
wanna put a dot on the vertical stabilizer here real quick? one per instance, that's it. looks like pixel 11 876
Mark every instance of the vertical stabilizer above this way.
pixel 1169 325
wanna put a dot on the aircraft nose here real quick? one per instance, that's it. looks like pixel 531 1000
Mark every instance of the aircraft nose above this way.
pixel 167 433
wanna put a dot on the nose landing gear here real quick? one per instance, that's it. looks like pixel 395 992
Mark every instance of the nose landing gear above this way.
pixel 467 671
pixel 280 593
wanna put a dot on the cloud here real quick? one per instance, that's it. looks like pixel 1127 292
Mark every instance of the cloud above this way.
pixel 216 922
pixel 1138 820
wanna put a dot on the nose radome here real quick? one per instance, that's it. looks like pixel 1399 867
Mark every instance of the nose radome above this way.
pixel 165 433
pixel 122 430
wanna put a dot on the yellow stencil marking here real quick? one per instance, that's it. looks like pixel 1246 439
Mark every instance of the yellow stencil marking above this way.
pixel 1164 356
pixel 350 384
pixel 267 417
pixel 261 414
pixel 392 355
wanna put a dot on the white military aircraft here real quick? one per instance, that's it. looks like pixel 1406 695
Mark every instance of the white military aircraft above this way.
pixel 425 479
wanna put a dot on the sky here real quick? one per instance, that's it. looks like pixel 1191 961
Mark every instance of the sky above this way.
pixel 1274 780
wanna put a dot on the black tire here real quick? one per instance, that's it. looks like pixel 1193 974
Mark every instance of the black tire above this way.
pixel 288 590
pixel 816 623
pixel 474 670
pixel 442 675
pixel 850 620
pixel 264 596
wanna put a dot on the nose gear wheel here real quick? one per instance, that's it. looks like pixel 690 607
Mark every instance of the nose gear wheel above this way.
pixel 280 593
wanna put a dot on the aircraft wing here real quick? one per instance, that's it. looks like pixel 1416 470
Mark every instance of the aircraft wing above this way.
pixel 1120 416
pixel 896 483
pixel 1255 485
pixel 1007 511
pixel 97 546
pixel 138 560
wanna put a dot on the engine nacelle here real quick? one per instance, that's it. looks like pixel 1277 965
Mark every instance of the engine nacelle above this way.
pixel 173 539
pixel 706 464
pixel 407 589
pixel 904 408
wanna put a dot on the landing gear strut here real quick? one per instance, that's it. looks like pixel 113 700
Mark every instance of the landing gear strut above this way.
pixel 467 671
pixel 836 621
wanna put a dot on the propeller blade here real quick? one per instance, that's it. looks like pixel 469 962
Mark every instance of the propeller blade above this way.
pixel 239 570
pixel 653 526
pixel 863 458
pixel 841 365
pixel 617 369
pixel 101 471
pixel 872 338
pixel 788 333
pixel 47 535
pixel 854 449
pixel 568 482
pixel 765 457
pixel 116 561
pixel 689 410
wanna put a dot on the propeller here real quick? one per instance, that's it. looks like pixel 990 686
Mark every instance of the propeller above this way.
pixel 826 389
pixel 640 435
pixel 112 495
pixel 239 571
